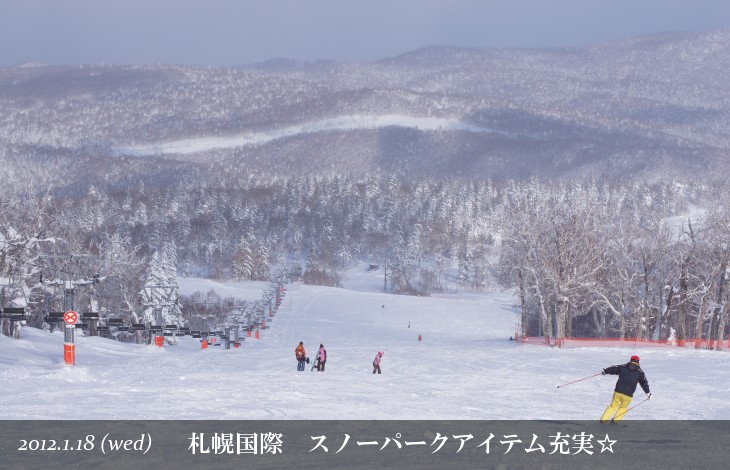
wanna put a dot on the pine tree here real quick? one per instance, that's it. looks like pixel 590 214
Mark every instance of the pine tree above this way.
pixel 159 292
pixel 243 260
pixel 261 266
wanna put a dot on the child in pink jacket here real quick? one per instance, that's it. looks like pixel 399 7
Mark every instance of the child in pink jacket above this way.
pixel 376 362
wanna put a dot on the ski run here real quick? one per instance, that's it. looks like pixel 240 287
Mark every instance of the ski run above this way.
pixel 465 368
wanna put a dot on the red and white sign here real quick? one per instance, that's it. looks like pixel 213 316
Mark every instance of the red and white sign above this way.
pixel 212 340
pixel 70 317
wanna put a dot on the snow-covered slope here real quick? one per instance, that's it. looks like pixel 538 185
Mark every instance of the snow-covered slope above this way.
pixel 465 368
pixel 346 123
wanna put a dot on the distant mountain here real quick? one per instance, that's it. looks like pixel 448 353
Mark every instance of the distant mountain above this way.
pixel 648 107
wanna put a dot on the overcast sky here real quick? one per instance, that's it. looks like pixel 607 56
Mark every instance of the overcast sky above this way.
pixel 230 32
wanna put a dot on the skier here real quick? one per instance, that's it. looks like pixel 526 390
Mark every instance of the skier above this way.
pixel 419 338
pixel 629 375
pixel 301 356
pixel 376 362
pixel 321 358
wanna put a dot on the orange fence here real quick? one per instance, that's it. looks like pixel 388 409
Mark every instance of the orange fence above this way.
pixel 618 342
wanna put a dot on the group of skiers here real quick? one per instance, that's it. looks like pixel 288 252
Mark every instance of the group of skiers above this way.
pixel 630 376
pixel 321 359
pixel 302 359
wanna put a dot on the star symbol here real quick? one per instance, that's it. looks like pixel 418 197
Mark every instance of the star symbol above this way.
pixel 607 444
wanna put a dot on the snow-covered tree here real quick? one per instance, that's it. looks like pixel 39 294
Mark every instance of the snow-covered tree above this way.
pixel 243 260
pixel 159 292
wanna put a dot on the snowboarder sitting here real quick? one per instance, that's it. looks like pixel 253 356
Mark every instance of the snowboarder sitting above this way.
pixel 321 358
pixel 376 362
pixel 301 356
pixel 629 375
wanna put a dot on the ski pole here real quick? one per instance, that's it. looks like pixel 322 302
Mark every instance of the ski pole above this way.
pixel 638 404
pixel 584 378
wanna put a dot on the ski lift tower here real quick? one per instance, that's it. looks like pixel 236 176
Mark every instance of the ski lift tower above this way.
pixel 204 317
pixel 66 270
pixel 158 296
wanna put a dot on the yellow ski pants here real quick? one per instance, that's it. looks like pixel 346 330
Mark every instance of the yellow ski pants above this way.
pixel 619 402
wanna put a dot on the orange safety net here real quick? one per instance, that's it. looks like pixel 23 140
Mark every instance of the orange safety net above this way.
pixel 619 342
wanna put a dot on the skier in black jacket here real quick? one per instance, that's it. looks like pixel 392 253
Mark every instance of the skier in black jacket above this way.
pixel 629 375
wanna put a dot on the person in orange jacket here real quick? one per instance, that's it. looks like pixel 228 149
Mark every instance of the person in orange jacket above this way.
pixel 301 356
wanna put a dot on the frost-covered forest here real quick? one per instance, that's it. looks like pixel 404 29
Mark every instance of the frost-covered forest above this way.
pixel 586 259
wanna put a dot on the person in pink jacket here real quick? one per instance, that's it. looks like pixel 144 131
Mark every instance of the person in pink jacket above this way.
pixel 376 362
pixel 321 358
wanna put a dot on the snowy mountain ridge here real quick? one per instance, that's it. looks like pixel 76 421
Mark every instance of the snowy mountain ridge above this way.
pixel 649 107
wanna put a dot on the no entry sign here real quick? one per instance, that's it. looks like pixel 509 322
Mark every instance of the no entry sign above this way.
pixel 69 348
pixel 70 317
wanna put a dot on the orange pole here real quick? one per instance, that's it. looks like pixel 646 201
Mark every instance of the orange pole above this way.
pixel 69 353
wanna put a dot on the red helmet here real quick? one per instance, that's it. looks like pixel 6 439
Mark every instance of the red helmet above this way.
pixel 634 358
